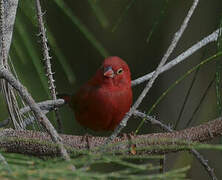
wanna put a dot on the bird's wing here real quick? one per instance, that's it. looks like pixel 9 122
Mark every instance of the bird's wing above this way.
pixel 80 101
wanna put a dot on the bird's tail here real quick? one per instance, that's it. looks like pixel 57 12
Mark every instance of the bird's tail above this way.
pixel 66 97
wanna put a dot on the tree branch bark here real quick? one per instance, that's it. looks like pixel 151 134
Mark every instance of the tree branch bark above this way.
pixel 40 144
pixel 9 15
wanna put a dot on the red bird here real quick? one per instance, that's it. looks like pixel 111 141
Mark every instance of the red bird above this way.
pixel 102 102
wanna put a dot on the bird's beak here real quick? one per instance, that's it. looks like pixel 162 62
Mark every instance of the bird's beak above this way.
pixel 108 72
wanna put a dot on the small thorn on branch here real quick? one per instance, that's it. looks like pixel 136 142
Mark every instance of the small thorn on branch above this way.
pixel 47 59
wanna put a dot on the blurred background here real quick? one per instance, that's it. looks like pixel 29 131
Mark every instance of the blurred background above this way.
pixel 82 33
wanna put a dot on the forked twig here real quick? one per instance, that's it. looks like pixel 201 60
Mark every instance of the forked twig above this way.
pixel 183 56
pixel 41 117
pixel 172 46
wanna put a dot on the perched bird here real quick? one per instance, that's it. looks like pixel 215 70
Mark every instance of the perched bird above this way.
pixel 102 102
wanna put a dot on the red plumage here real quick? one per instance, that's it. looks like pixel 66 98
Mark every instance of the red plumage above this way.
pixel 102 102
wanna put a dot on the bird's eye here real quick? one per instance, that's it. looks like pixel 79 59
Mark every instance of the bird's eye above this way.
pixel 119 71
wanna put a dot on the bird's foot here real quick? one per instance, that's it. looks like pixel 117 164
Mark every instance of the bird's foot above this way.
pixel 86 138
pixel 129 137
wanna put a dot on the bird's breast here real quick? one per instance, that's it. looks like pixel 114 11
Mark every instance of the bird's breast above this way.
pixel 102 109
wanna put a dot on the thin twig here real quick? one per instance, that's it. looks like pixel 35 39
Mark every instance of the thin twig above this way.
pixel 152 120
pixel 204 163
pixel 47 59
pixel 172 46
pixel 206 40
pixel 45 106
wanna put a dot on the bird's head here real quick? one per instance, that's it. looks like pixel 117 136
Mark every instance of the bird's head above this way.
pixel 114 71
